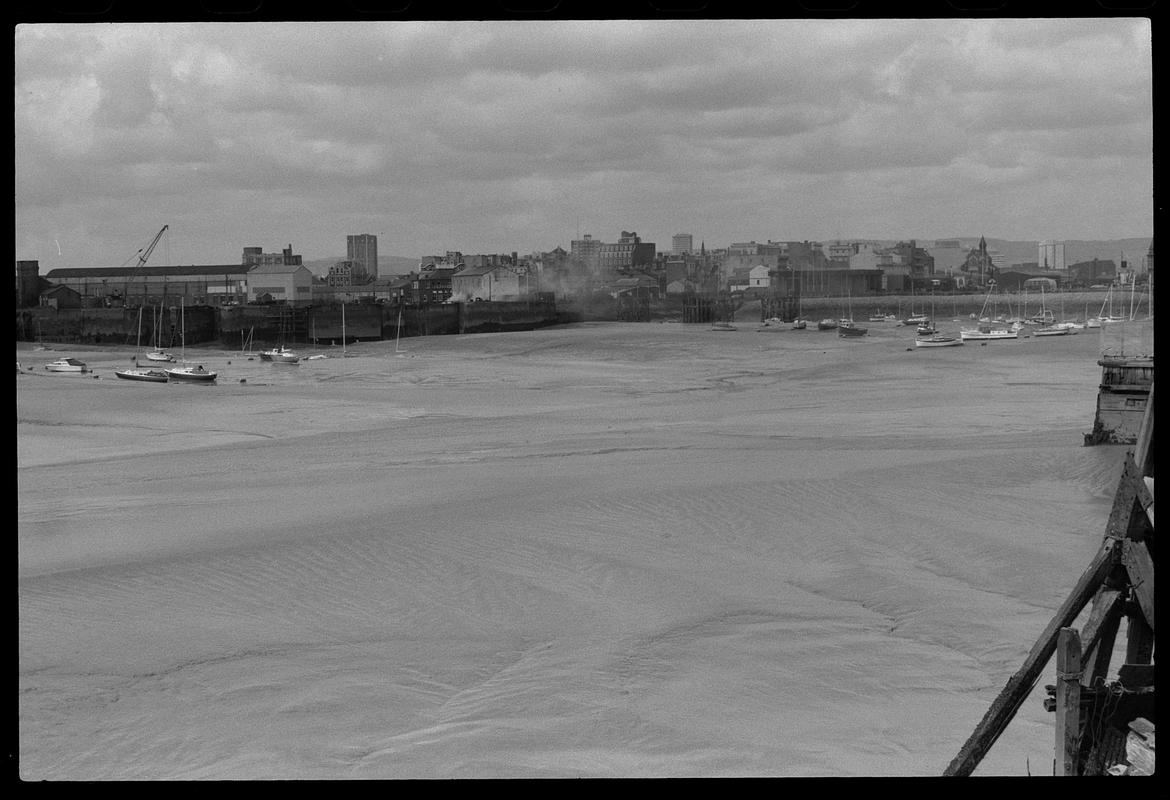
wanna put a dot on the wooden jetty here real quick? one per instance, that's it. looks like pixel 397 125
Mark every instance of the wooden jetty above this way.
pixel 1101 728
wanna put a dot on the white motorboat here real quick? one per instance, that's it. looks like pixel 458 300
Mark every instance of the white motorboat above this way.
pixel 283 356
pixel 987 332
pixel 279 355
pixel 66 365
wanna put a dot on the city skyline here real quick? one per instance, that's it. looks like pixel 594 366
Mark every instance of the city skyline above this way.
pixel 522 136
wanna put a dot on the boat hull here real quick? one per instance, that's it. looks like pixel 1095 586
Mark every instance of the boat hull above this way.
pixel 988 335
pixel 851 331
pixel 160 357
pixel 190 375
pixel 280 354
pixel 938 341
pixel 67 365
pixel 148 375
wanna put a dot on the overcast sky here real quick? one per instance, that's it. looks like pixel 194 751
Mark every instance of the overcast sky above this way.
pixel 489 137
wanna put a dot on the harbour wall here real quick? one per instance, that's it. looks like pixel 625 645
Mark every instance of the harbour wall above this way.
pixel 266 325
pixel 239 326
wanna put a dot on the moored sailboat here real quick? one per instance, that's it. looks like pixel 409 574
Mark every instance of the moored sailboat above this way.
pixel 158 354
pixel 928 335
pixel 189 374
pixel 1102 318
pixel 137 373
pixel 281 354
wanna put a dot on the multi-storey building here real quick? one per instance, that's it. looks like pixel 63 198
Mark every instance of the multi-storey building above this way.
pixel 491 260
pixel 362 250
pixel 682 244
pixel 743 248
pixel 586 253
pixel 841 251
pixel 1050 255
pixel 869 255
pixel 920 262
pixel 255 256
pixel 627 253
pixel 452 258
pixel 340 274
pixel 432 285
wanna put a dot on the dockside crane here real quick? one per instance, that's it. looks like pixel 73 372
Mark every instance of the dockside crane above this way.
pixel 143 254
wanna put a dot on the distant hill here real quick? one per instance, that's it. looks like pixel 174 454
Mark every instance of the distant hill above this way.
pixel 387 265
pixel 1075 250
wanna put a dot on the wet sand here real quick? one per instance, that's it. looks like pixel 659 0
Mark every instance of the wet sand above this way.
pixel 604 550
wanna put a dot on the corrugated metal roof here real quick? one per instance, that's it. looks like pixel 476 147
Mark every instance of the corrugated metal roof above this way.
pixel 154 272
pixel 276 269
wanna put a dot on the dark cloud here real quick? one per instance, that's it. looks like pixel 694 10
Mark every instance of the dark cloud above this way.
pixel 501 130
